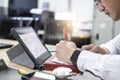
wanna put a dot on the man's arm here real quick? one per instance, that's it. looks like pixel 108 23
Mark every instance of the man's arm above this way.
pixel 106 66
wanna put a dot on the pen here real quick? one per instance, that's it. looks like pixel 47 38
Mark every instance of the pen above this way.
pixel 21 72
pixel 24 77
pixel 65 34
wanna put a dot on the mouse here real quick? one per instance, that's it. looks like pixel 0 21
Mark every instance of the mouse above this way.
pixel 62 72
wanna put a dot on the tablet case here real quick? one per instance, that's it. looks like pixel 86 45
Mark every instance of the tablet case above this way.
pixel 22 55
pixel 18 55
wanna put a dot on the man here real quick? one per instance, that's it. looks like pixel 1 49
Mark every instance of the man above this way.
pixel 106 66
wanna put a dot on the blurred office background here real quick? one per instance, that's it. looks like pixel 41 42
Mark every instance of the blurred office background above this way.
pixel 80 19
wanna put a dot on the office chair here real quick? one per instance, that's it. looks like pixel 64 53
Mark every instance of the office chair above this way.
pixel 56 30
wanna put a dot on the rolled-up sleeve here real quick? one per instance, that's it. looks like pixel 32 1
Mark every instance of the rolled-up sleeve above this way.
pixel 106 66
pixel 113 45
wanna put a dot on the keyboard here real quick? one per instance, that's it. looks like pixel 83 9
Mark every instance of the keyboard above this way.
pixel 4 45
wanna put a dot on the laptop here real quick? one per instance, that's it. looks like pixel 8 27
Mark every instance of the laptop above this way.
pixel 32 45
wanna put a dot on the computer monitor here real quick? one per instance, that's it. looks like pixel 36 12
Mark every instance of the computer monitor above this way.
pixel 21 7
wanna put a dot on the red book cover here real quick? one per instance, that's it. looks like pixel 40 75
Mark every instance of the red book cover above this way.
pixel 50 65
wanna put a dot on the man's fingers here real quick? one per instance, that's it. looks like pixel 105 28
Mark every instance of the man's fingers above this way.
pixel 87 47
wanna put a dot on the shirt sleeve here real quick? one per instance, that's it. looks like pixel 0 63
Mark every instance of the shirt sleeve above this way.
pixel 106 66
pixel 113 45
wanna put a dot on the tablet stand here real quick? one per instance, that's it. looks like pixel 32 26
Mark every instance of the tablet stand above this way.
pixel 18 55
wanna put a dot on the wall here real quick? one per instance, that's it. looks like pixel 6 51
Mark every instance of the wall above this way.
pixel 3 3
pixel 55 5
pixel 3 8
pixel 104 28
pixel 83 9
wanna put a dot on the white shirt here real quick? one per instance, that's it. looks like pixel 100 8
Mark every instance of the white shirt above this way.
pixel 113 45
pixel 105 66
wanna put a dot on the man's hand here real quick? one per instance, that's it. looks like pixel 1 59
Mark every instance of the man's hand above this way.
pixel 95 48
pixel 64 50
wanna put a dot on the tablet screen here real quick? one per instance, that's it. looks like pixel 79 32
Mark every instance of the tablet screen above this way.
pixel 30 40
pixel 34 45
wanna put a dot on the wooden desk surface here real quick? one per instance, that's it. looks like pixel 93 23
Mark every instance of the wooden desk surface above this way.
pixel 3 55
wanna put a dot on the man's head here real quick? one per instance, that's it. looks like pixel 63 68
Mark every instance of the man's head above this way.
pixel 110 8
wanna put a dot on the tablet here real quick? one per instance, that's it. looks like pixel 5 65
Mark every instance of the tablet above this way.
pixel 28 38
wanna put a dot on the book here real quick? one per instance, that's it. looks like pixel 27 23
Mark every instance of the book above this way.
pixel 50 64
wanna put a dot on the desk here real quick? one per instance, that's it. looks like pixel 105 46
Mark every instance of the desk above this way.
pixel 4 56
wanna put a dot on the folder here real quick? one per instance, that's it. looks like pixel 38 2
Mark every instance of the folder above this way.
pixel 50 65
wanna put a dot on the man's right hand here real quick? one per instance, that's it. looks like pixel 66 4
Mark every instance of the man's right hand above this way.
pixel 64 50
